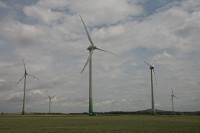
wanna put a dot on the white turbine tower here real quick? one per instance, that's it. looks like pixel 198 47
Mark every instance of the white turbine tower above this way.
pixel 152 94
pixel 50 97
pixel 91 48
pixel 172 99
pixel 24 77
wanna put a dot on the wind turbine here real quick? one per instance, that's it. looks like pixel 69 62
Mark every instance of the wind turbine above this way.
pixel 24 77
pixel 50 103
pixel 91 48
pixel 152 96
pixel 172 99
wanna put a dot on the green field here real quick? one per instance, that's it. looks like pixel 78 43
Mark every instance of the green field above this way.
pixel 100 124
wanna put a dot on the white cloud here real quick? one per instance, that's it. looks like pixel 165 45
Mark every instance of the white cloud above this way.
pixel 107 102
pixel 6 64
pixel 46 16
pixel 37 92
pixel 108 34
pixel 104 12
pixel 123 100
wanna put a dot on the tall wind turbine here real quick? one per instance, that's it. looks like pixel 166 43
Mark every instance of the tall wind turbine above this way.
pixel 152 96
pixel 50 103
pixel 172 99
pixel 91 48
pixel 24 77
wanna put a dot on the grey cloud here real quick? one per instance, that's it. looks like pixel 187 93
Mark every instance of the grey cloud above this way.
pixel 51 39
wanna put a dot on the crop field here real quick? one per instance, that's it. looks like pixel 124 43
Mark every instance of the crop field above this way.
pixel 100 124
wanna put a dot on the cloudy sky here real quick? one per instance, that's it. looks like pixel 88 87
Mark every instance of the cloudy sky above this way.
pixel 50 37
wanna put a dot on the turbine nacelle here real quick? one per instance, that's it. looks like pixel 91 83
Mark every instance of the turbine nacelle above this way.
pixel 91 47
pixel 151 67
pixel 50 97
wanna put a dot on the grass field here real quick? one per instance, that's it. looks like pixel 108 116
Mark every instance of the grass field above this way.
pixel 100 124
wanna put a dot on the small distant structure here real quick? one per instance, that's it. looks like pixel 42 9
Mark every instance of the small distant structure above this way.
pixel 152 96
pixel 50 103
pixel 172 99
pixel 24 77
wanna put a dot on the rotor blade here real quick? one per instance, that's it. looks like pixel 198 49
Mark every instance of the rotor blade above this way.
pixel 24 64
pixel 155 76
pixel 154 61
pixel 104 50
pixel 90 56
pixel 53 96
pixel 32 76
pixel 88 35
pixel 147 63
pixel 172 92
pixel 20 79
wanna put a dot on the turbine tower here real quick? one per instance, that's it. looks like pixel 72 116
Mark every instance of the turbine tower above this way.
pixel 50 103
pixel 24 77
pixel 152 94
pixel 91 48
pixel 172 99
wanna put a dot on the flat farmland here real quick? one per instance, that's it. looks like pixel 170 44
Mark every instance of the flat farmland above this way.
pixel 100 124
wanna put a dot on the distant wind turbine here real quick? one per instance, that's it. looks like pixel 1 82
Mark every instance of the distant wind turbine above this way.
pixel 24 77
pixel 172 99
pixel 50 103
pixel 91 48
pixel 152 96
